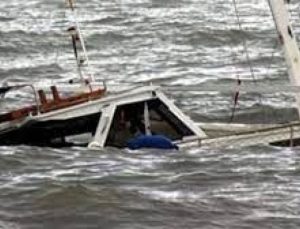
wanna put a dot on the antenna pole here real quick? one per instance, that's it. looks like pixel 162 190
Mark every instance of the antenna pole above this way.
pixel 288 42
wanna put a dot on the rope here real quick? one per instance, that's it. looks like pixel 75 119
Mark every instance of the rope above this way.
pixel 235 101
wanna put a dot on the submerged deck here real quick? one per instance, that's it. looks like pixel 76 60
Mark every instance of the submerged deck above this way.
pixel 286 135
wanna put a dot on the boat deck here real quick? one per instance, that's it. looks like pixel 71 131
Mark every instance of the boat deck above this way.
pixel 47 105
pixel 279 135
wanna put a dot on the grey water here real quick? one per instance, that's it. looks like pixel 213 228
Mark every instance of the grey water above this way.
pixel 178 43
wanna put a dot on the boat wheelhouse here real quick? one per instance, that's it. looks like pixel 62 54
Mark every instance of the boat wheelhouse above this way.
pixel 108 119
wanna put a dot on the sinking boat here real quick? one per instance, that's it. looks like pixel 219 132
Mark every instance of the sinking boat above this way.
pixel 112 119
pixel 108 119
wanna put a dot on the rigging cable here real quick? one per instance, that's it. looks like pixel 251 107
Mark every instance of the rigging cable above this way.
pixel 237 88
pixel 245 47
pixel 236 94
pixel 235 100
pixel 239 82
pixel 244 42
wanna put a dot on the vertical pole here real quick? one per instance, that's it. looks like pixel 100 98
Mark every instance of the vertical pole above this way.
pixel 292 137
pixel 81 39
pixel 288 41
pixel 147 119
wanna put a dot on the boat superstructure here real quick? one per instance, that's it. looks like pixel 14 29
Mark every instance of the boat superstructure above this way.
pixel 112 119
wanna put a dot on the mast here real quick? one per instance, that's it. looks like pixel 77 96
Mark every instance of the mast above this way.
pixel 79 48
pixel 288 42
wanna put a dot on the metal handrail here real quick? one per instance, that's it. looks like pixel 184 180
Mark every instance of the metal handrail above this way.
pixel 34 93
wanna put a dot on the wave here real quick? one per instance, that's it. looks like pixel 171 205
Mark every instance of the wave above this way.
pixel 37 70
pixel 5 19
pixel 110 19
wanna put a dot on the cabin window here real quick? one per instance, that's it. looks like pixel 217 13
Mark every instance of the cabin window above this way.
pixel 62 132
pixel 128 122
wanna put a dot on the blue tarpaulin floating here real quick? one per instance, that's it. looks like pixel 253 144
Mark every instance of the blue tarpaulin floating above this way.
pixel 151 141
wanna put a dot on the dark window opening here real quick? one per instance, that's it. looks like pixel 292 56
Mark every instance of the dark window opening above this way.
pixel 128 122
pixel 52 133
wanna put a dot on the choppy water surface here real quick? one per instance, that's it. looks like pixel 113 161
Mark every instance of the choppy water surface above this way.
pixel 172 43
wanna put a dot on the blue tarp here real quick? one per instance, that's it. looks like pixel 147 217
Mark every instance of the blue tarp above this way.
pixel 151 141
